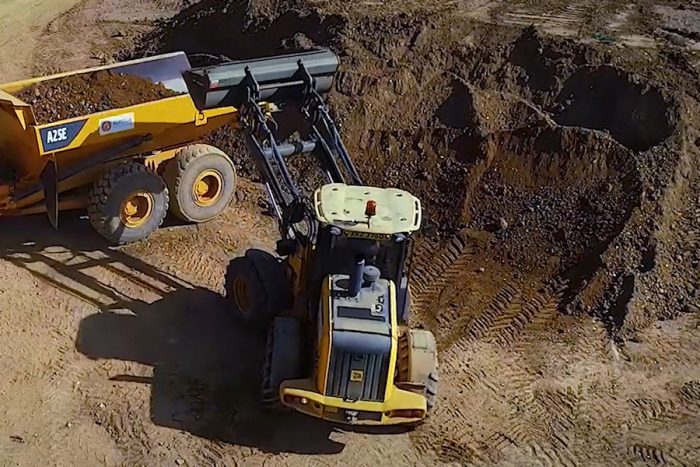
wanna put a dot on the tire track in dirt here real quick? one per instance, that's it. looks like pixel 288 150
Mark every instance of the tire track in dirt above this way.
pixel 539 421
pixel 495 382
pixel 559 408
pixel 506 379
pixel 440 287
pixel 434 269
pixel 653 454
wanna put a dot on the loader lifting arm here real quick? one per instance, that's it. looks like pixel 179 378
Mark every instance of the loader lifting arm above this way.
pixel 299 84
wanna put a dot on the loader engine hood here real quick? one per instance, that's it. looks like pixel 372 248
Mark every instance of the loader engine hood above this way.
pixel 361 340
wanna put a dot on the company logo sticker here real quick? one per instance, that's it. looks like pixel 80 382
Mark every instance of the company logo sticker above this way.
pixel 116 124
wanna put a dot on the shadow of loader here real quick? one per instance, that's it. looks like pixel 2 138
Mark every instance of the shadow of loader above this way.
pixel 206 372
pixel 206 368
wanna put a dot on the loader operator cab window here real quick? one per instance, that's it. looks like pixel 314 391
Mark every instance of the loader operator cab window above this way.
pixel 337 253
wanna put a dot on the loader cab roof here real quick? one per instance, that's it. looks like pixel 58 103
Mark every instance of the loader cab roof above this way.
pixel 344 206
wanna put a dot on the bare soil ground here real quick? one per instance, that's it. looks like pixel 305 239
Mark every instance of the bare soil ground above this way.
pixel 558 266
pixel 21 23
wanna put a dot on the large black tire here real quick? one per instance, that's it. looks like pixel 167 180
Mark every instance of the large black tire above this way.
pixel 431 390
pixel 256 287
pixel 200 165
pixel 283 358
pixel 129 180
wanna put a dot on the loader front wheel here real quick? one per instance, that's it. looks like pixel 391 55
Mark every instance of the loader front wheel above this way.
pixel 202 181
pixel 256 287
pixel 128 203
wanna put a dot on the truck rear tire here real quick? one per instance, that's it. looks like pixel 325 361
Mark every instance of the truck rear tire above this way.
pixel 202 181
pixel 283 356
pixel 128 203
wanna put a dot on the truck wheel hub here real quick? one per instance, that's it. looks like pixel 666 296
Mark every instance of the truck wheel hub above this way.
pixel 207 188
pixel 136 209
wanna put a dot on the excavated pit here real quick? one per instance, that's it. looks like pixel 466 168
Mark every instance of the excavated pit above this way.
pixel 536 144
pixel 563 193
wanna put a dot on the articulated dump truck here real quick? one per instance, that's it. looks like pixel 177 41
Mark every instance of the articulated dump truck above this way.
pixel 335 295
pixel 127 166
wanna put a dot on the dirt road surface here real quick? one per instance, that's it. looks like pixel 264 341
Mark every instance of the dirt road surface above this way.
pixel 22 23
pixel 558 267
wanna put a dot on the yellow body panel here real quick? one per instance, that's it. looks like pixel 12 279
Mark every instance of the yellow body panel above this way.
pixel 324 346
pixel 331 408
pixel 172 121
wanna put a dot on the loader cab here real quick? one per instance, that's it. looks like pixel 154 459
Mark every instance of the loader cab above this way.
pixel 372 224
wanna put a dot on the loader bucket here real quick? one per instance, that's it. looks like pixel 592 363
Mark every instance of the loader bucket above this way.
pixel 278 77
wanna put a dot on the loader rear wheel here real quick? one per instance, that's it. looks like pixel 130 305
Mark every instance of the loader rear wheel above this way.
pixel 282 358
pixel 256 287
pixel 202 182
pixel 128 203
pixel 431 390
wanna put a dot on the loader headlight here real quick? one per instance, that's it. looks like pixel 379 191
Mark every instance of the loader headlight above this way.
pixel 295 400
pixel 406 413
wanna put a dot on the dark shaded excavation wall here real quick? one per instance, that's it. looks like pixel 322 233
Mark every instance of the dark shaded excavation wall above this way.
pixel 605 98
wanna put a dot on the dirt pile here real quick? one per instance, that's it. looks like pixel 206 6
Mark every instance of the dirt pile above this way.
pixel 556 156
pixel 79 95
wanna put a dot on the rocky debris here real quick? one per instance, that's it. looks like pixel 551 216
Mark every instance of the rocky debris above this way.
pixel 79 95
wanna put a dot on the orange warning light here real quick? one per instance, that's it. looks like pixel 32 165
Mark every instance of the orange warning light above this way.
pixel 371 209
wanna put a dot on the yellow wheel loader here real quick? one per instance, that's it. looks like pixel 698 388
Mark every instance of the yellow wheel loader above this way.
pixel 335 298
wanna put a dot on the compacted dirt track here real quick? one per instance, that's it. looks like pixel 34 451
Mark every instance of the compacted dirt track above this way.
pixel 555 148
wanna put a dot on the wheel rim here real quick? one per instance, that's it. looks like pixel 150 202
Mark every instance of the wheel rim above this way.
pixel 137 209
pixel 207 188
pixel 241 294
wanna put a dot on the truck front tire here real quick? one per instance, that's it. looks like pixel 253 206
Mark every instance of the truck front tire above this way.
pixel 128 203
